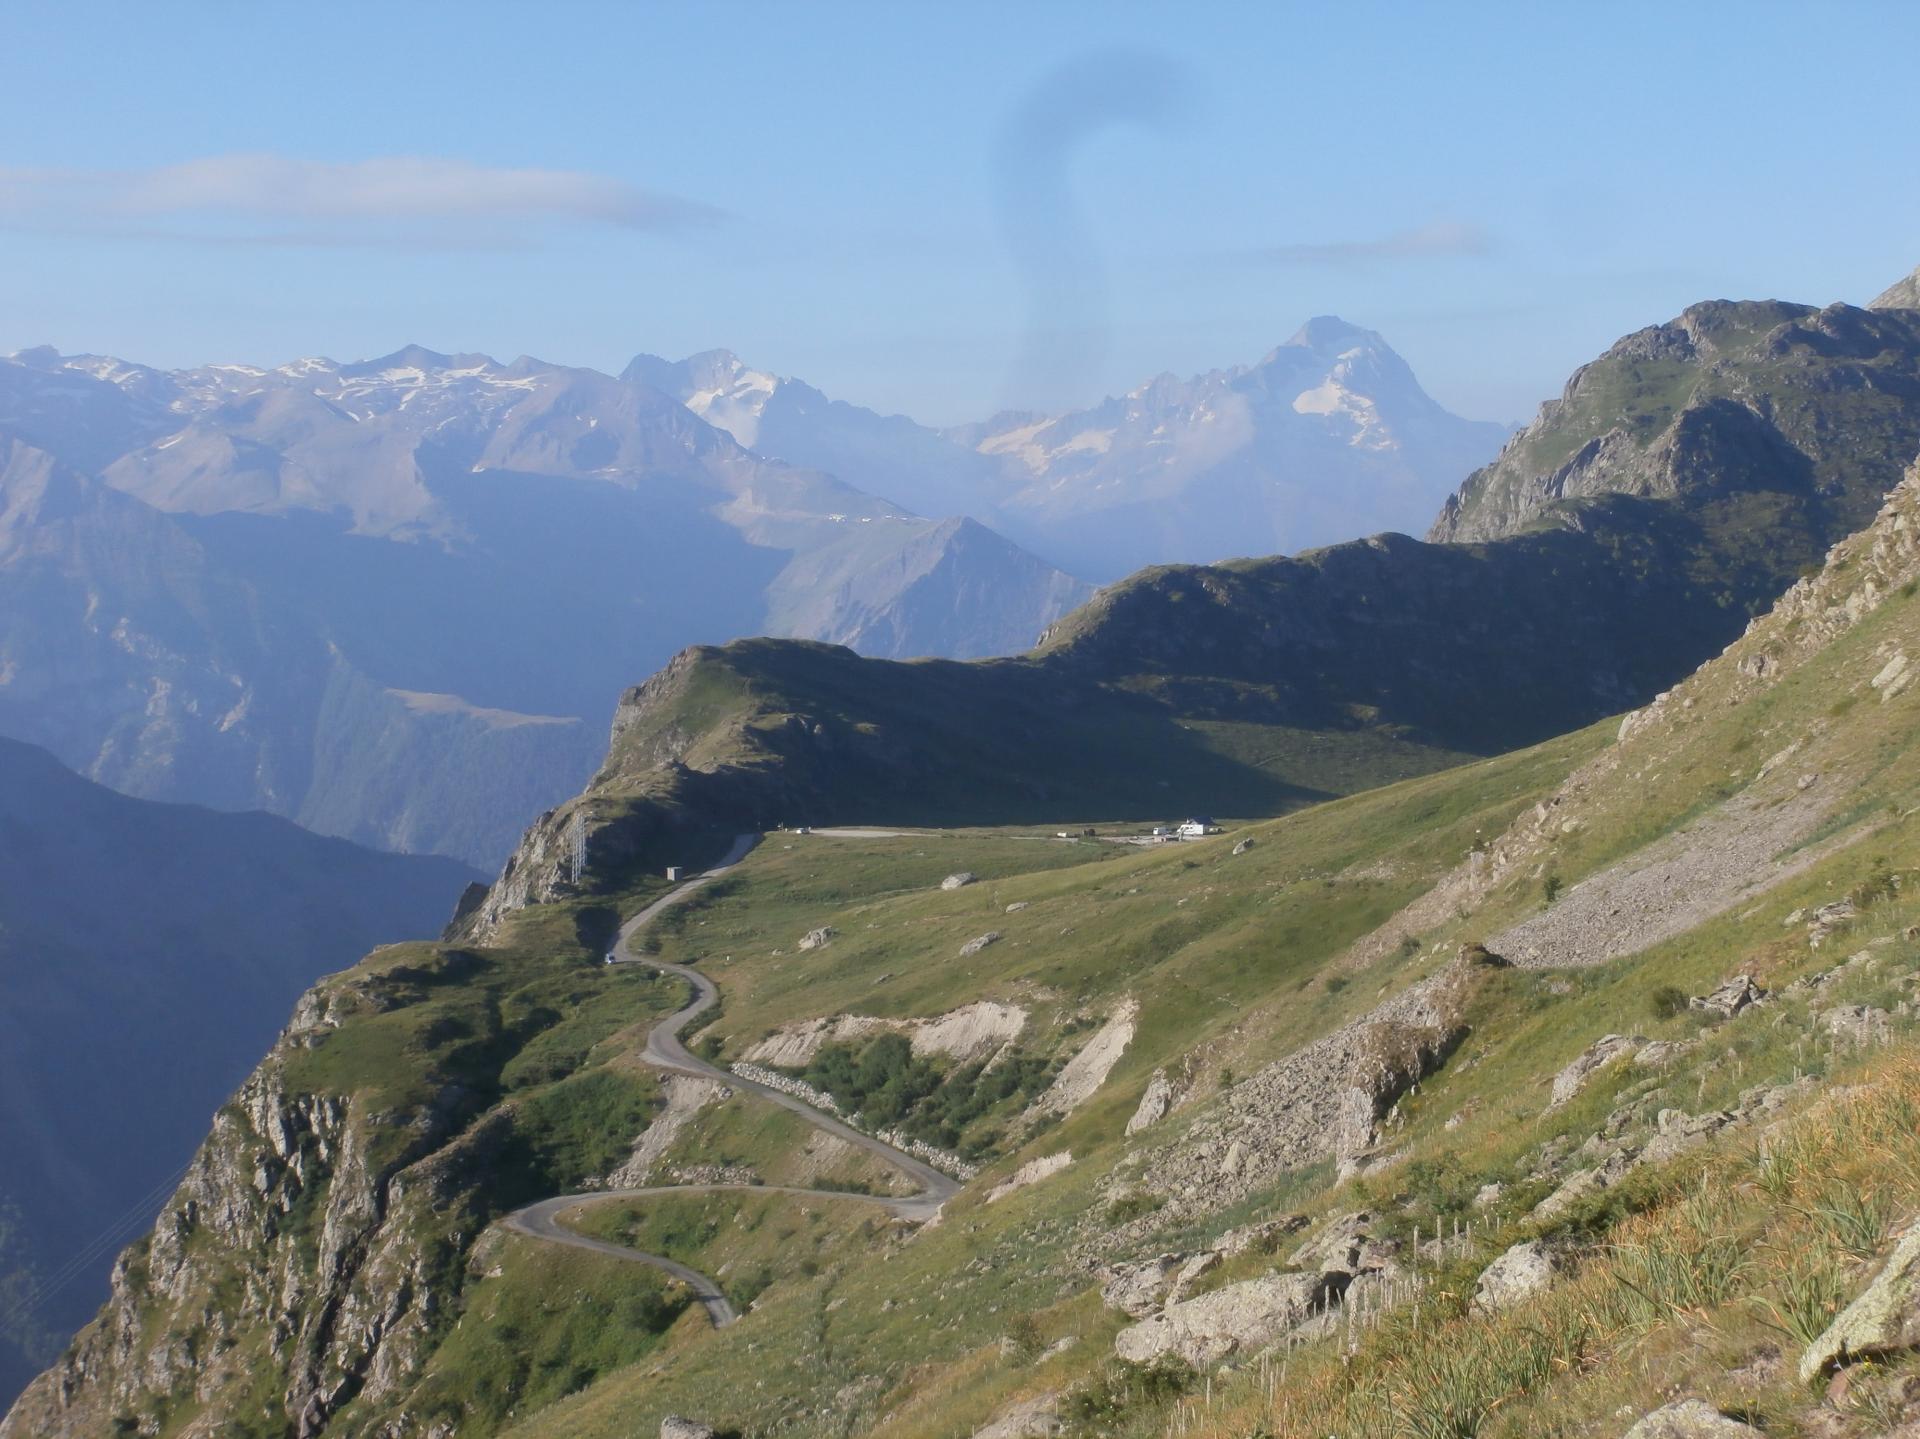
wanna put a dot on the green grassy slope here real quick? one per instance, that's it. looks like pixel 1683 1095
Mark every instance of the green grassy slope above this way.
pixel 1229 964
pixel 1237 959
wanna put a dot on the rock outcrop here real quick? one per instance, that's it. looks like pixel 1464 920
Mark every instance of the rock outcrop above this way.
pixel 1030 1173
pixel 1035 1418
pixel 1080 1076
pixel 1324 1100
pixel 1155 1103
pixel 1139 1288
pixel 1902 294
pixel 1247 1315
pixel 971 1032
pixel 1883 1320
pixel 1729 998
pixel 675 1427
pixel 1735 381
pixel 1691 1419
pixel 1515 1277
pixel 1595 1057
pixel 1858 1025
pixel 1619 1148
pixel 349 1239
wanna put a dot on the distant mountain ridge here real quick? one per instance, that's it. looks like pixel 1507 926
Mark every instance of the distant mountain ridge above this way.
pixel 516 539
pixel 1327 437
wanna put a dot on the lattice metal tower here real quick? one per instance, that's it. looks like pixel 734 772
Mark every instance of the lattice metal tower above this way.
pixel 577 838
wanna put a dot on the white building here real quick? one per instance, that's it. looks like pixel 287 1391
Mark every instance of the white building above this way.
pixel 1196 827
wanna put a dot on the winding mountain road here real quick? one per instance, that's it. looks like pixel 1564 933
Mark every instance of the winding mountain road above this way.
pixel 665 1050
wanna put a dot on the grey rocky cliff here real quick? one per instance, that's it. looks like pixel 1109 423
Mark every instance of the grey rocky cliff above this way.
pixel 286 1230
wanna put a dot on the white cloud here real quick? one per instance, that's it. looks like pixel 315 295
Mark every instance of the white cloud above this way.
pixel 254 194
pixel 1441 239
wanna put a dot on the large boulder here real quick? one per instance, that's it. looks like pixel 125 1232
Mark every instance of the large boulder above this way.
pixel 959 881
pixel 979 942
pixel 818 938
pixel 1730 998
pixel 1515 1277
pixel 1885 1318
pixel 1034 1418
pixel 674 1427
pixel 1691 1419
pixel 1247 1315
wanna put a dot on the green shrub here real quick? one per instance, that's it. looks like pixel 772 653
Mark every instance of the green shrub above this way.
pixel 1131 1205
pixel 1666 1000
pixel 1024 1341
pixel 572 1131
pixel 886 1084
pixel 1124 1391
pixel 1877 887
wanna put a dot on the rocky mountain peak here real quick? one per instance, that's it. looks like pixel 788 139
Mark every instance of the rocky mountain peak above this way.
pixel 711 368
pixel 413 357
pixel 39 357
pixel 1327 336
pixel 1900 295
pixel 1729 402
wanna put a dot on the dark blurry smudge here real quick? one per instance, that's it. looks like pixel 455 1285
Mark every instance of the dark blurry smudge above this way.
pixel 1067 322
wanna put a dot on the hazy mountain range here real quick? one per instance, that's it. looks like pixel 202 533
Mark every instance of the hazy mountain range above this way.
pixel 1328 437
pixel 394 600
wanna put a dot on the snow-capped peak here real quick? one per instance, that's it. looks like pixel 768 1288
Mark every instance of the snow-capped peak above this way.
pixel 715 384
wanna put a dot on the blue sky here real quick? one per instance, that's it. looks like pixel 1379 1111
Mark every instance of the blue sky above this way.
pixel 944 210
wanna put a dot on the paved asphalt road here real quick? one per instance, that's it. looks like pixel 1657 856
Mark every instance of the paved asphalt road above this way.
pixel 665 1050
